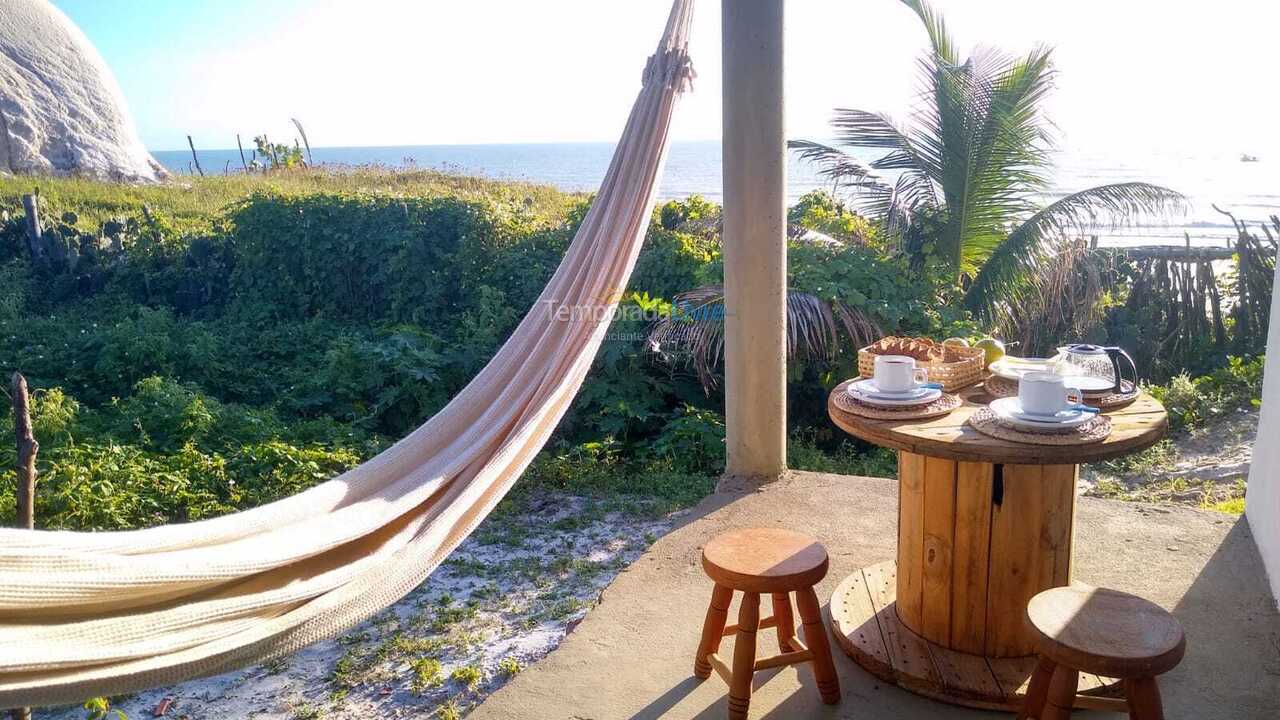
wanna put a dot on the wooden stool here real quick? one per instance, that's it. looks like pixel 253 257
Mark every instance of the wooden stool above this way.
pixel 755 562
pixel 1105 632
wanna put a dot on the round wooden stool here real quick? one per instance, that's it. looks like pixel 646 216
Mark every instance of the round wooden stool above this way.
pixel 755 562
pixel 1105 632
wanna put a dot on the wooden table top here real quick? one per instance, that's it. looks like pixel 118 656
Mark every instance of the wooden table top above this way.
pixel 1135 427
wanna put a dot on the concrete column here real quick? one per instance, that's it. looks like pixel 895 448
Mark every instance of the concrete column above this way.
pixel 1262 503
pixel 755 250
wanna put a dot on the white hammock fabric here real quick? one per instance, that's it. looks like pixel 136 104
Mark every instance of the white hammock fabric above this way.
pixel 86 614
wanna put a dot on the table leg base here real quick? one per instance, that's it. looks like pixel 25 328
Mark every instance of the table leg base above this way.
pixel 864 621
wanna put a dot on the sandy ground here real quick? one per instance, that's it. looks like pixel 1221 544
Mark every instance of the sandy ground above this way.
pixel 1202 468
pixel 503 600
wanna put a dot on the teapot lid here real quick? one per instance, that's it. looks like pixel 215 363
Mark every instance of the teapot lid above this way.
pixel 1086 349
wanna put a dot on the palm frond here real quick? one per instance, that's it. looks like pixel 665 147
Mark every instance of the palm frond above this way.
pixel 984 123
pixel 870 194
pixel 694 333
pixel 939 39
pixel 835 164
pixel 859 128
pixel 1009 274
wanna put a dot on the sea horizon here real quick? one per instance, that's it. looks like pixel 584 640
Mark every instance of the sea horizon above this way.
pixel 1249 190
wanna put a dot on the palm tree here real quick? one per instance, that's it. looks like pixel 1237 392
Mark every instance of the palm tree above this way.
pixel 972 168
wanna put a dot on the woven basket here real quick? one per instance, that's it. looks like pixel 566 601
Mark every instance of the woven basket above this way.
pixel 952 366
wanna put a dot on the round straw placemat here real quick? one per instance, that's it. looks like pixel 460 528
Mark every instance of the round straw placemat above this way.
pixel 1000 387
pixel 1096 430
pixel 937 408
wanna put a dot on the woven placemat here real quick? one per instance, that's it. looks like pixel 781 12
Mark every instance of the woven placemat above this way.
pixel 937 408
pixel 1000 387
pixel 1096 430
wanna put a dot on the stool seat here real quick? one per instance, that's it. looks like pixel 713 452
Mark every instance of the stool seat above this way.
pixel 765 560
pixel 777 563
pixel 1106 632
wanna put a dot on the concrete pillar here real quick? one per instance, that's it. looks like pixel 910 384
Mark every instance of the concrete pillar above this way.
pixel 1262 502
pixel 755 250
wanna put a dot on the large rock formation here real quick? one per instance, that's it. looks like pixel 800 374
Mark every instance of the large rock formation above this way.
pixel 61 111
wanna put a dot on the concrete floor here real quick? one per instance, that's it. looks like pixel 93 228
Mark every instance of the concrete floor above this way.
pixel 631 657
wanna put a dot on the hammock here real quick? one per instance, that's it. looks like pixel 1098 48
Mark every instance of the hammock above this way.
pixel 86 614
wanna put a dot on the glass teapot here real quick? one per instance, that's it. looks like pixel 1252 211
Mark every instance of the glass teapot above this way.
pixel 1096 369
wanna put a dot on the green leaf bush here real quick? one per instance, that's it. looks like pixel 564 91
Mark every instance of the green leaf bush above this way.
pixel 206 348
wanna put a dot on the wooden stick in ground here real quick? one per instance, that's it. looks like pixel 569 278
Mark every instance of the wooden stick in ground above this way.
pixel 27 449
pixel 193 156
pixel 243 164
pixel 35 233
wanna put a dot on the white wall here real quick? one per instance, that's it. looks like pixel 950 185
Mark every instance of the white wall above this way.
pixel 1262 504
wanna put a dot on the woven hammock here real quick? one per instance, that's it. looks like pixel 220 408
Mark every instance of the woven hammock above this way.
pixel 86 614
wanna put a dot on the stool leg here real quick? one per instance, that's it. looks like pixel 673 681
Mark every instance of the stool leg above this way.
pixel 1062 693
pixel 815 634
pixel 1037 690
pixel 712 630
pixel 1144 699
pixel 744 656
pixel 786 621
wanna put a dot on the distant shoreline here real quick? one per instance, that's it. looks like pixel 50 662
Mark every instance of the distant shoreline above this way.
pixel 1250 190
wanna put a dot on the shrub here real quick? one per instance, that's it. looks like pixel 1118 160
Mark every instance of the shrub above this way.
pixel 368 257
pixel 468 675
pixel 1192 402
pixel 161 415
pixel 389 383
pixel 426 674
pixel 819 210
pixel 692 441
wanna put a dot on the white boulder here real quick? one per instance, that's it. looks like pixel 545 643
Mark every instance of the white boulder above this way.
pixel 61 110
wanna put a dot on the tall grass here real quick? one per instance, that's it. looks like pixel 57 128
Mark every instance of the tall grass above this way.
pixel 195 203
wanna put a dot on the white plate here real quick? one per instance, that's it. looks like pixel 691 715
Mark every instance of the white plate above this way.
pixel 869 388
pixel 1010 410
pixel 926 397
pixel 1013 368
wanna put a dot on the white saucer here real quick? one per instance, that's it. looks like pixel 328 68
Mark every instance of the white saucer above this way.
pixel 923 396
pixel 869 388
pixel 1010 410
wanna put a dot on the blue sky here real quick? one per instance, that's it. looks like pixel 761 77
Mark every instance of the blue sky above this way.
pixel 1148 73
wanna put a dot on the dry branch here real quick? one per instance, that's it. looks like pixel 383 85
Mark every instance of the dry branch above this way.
pixel 193 155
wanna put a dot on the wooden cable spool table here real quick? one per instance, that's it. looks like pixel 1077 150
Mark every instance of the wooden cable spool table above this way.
pixel 983 526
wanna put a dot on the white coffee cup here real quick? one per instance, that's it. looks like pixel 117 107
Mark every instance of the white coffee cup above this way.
pixel 1042 393
pixel 898 373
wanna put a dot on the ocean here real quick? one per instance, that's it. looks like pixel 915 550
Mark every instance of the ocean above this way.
pixel 1249 190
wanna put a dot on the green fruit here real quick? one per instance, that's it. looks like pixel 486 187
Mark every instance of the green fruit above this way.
pixel 956 341
pixel 993 348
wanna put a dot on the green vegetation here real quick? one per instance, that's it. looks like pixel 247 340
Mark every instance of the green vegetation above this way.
pixel 468 675
pixel 426 673
pixel 99 708
pixel 509 666
pixel 1193 402
pixel 205 347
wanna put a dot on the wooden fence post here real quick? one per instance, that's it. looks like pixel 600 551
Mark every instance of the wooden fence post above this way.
pixel 35 233
pixel 26 491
